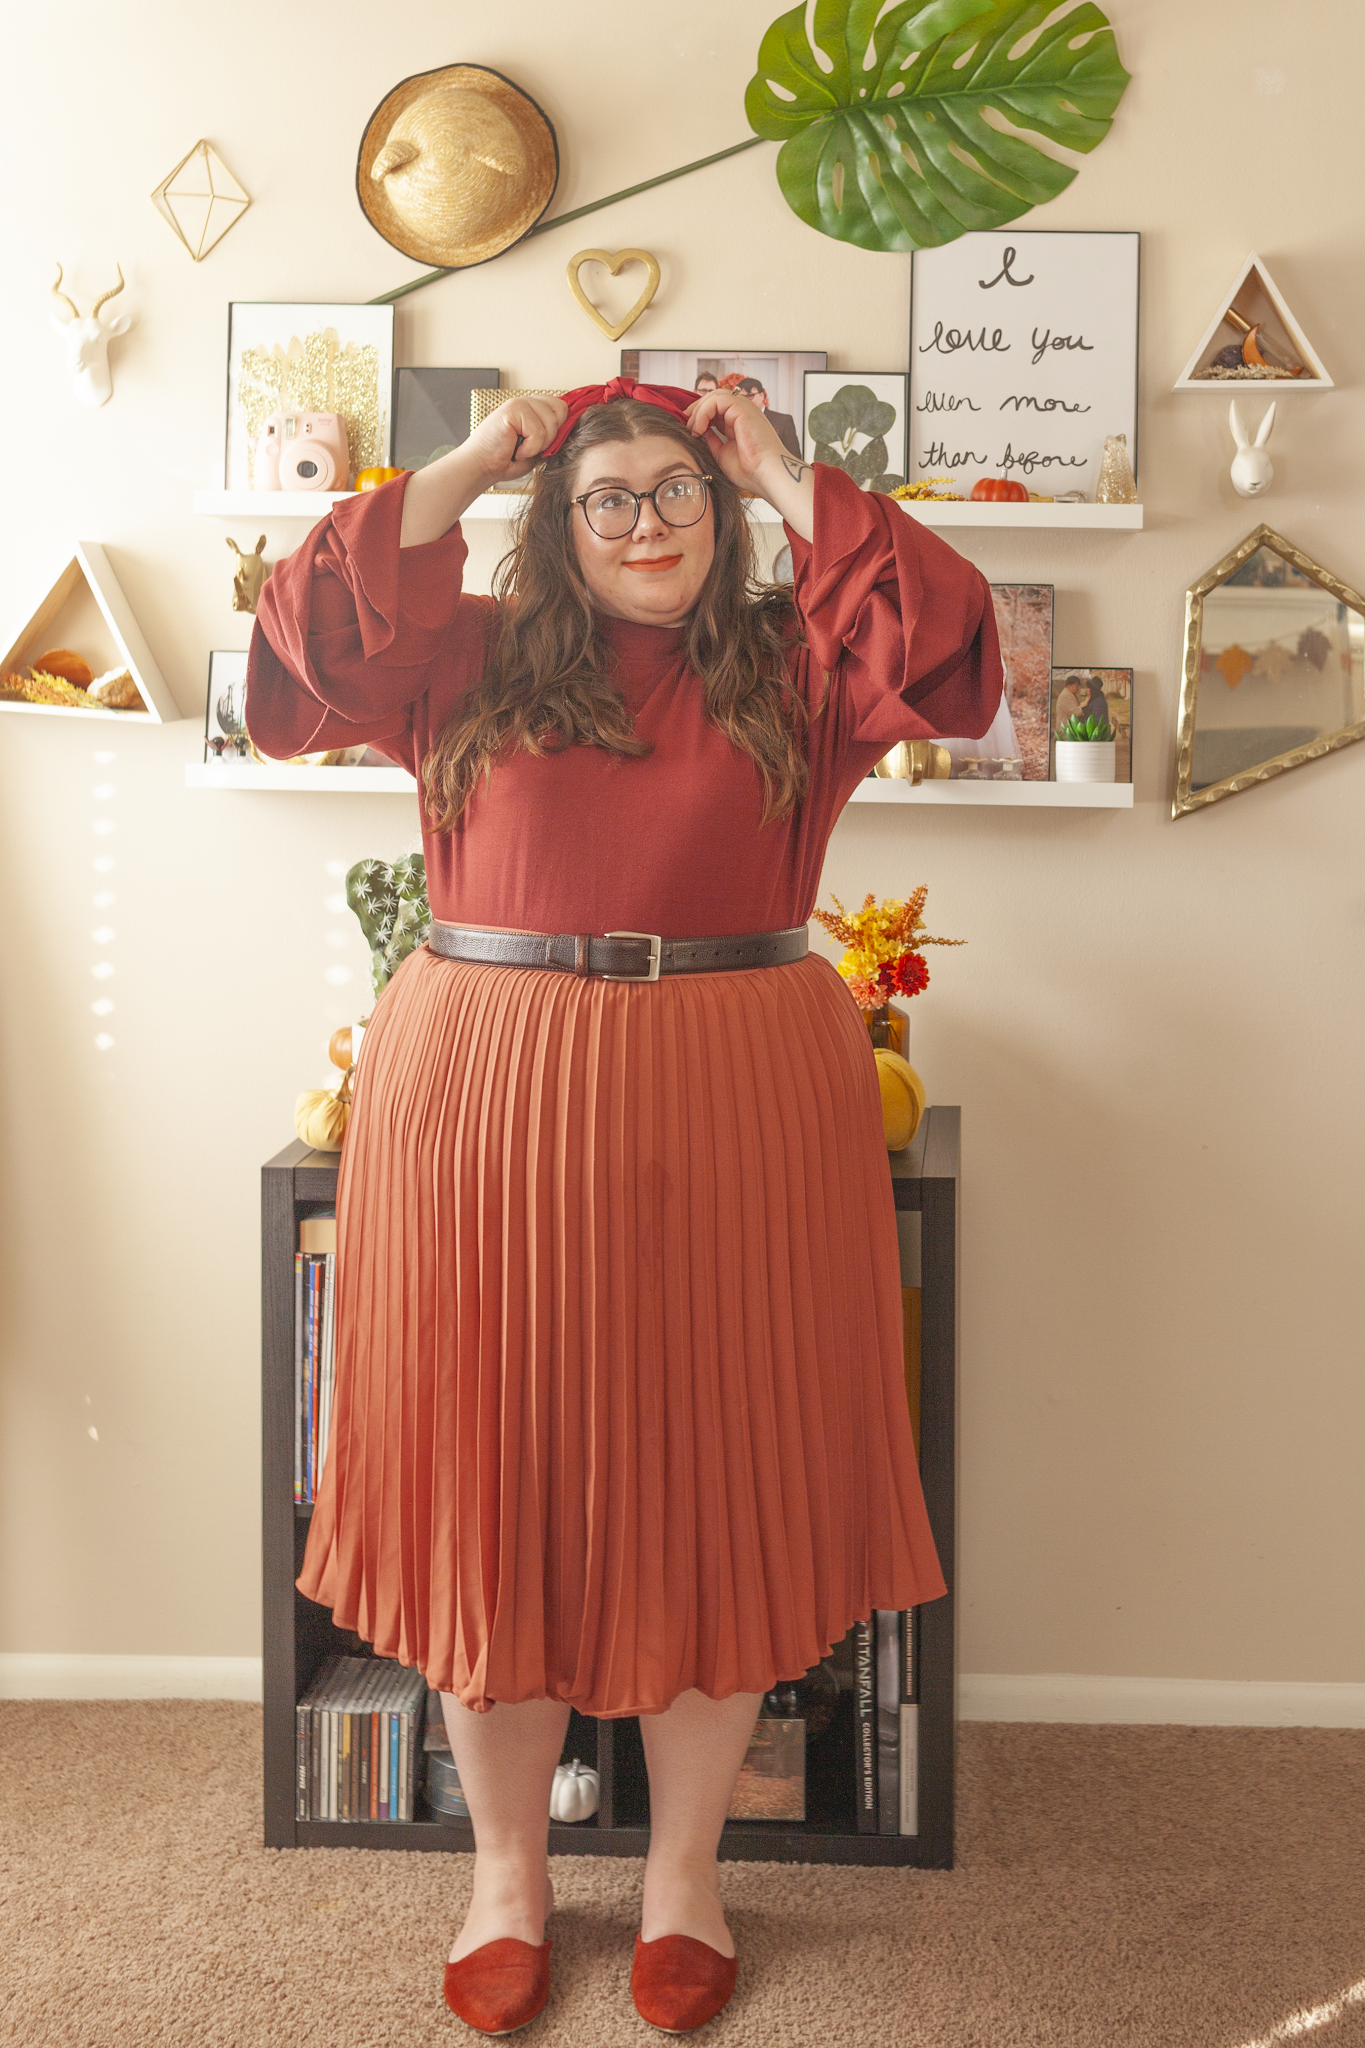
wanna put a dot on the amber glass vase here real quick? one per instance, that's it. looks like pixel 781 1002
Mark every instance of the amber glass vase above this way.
pixel 890 1027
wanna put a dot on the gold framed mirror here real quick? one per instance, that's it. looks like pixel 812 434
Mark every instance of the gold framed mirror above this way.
pixel 1274 670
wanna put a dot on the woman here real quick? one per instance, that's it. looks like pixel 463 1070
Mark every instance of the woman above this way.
pixel 620 1416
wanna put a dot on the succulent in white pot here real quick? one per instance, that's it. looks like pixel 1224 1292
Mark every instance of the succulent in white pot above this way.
pixel 1086 750
pixel 573 1796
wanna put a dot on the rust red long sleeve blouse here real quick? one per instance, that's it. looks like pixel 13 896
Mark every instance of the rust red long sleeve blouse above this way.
pixel 357 640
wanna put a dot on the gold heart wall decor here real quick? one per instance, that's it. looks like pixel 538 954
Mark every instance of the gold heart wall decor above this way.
pixel 615 264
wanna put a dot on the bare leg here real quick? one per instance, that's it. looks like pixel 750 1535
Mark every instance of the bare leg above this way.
pixel 694 1752
pixel 506 1760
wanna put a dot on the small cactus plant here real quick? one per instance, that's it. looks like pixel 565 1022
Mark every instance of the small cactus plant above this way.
pixel 391 904
pixel 1091 728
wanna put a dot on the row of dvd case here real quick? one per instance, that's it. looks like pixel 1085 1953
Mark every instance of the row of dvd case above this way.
pixel 314 1349
pixel 358 1732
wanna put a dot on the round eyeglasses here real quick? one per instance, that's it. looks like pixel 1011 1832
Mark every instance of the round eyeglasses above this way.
pixel 612 511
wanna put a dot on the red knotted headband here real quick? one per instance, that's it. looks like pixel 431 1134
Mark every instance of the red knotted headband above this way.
pixel 668 397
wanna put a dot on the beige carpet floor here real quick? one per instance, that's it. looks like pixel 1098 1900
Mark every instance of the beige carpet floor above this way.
pixel 1117 1888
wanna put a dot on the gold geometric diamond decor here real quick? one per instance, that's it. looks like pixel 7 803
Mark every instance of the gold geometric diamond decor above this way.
pixel 200 199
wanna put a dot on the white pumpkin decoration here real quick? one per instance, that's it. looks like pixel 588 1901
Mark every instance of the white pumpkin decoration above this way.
pixel 573 1796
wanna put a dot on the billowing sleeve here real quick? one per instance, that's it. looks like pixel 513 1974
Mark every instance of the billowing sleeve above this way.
pixel 901 623
pixel 348 629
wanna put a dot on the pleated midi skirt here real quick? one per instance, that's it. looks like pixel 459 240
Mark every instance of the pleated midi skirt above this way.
pixel 620 1400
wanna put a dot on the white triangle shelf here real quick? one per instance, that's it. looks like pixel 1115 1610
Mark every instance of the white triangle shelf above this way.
pixel 1260 302
pixel 87 586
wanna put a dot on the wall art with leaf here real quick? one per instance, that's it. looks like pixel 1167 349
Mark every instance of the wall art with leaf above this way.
pixel 856 421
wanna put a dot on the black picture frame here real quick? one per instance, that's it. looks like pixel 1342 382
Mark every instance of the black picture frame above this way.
pixel 961 414
pixel 682 368
pixel 431 411
pixel 1116 686
pixel 897 440
pixel 225 699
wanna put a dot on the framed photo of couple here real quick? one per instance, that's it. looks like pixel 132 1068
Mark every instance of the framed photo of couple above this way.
pixel 773 378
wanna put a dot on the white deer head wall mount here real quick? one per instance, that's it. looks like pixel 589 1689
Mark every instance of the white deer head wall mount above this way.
pixel 87 342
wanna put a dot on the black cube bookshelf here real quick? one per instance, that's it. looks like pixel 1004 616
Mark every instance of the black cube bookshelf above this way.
pixel 299 1635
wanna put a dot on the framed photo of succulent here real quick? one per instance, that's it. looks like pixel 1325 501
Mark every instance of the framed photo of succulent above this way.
pixel 1101 695
pixel 856 421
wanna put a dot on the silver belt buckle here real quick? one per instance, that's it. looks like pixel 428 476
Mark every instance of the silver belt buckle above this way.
pixel 655 952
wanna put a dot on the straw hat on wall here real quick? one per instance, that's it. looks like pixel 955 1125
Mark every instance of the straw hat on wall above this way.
pixel 455 165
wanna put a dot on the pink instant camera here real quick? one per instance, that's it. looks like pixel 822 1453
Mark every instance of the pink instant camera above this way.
pixel 303 451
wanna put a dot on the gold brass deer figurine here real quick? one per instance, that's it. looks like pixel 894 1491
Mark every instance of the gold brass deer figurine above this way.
pixel 250 576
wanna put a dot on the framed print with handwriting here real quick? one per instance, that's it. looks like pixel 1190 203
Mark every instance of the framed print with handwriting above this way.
pixel 1023 357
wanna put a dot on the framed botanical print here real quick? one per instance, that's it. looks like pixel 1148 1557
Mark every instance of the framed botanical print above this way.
pixel 855 420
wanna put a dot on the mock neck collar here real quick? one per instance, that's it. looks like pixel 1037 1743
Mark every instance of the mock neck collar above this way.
pixel 630 642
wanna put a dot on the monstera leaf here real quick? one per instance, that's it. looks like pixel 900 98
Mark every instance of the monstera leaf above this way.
pixel 900 132
pixel 855 414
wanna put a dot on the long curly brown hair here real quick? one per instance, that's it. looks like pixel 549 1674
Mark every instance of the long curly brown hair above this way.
pixel 547 682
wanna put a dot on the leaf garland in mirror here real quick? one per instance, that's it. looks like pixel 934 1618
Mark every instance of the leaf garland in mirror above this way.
pixel 903 132
pixel 1274 670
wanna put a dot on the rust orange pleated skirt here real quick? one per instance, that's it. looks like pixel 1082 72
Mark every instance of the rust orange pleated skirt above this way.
pixel 620 1400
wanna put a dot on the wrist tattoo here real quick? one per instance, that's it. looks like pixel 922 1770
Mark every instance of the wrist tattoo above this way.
pixel 795 470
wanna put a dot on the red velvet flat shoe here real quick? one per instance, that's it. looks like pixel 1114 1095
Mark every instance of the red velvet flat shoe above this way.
pixel 679 1984
pixel 499 1987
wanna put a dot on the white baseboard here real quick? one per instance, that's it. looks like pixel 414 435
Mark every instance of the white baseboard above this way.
pixel 1186 1702
pixel 40 1676
pixel 982 1696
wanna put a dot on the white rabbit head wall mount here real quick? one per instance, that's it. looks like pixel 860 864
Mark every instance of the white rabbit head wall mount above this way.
pixel 1252 470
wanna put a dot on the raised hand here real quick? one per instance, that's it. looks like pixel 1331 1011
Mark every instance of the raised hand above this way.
pixel 505 446
pixel 738 437
pixel 510 442
pixel 740 441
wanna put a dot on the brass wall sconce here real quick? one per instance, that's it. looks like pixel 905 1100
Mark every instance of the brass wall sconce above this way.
pixel 1274 670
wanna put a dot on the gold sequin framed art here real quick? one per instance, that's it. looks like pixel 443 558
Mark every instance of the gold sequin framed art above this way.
pixel 297 359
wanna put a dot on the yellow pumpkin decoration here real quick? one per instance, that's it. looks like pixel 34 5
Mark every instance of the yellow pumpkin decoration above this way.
pixel 371 479
pixel 322 1114
pixel 902 1098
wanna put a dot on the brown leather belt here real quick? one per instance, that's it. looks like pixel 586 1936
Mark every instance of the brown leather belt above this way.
pixel 617 956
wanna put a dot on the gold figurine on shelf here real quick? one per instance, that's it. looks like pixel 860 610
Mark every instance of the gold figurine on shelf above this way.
pixel 1116 485
pixel 248 579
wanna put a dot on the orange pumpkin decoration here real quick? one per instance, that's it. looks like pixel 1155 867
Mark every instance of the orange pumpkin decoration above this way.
pixel 72 668
pixel 997 490
pixel 371 479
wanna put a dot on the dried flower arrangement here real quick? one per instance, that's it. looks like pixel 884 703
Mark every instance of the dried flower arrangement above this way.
pixel 884 941
pixel 928 487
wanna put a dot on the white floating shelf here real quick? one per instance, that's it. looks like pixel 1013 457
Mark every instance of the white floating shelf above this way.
pixel 312 505
pixel 1093 796
pixel 75 711
pixel 1071 796
pixel 309 505
pixel 279 775
pixel 1096 518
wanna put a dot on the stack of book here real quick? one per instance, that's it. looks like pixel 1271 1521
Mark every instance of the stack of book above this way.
pixel 886 1725
pixel 314 1327
pixel 359 1739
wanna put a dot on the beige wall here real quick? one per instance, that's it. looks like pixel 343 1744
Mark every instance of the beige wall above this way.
pixel 1154 1031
